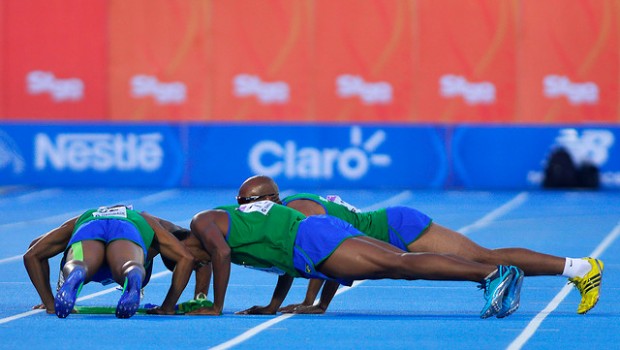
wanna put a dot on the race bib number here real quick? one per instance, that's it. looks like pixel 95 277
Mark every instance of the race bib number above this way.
pixel 338 200
pixel 262 207
pixel 120 211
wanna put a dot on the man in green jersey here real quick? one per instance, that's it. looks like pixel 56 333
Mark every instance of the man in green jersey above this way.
pixel 271 237
pixel 413 231
pixel 106 245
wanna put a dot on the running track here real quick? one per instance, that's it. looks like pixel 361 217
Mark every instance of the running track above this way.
pixel 371 314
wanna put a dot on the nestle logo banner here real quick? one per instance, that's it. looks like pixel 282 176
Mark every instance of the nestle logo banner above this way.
pixel 99 151
pixel 136 155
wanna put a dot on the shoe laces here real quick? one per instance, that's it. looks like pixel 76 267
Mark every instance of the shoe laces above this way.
pixel 585 284
pixel 485 285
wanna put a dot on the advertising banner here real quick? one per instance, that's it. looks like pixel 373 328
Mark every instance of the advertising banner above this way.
pixel 160 60
pixel 348 61
pixel 54 60
pixel 364 61
pixel 569 65
pixel 515 157
pixel 466 71
pixel 320 156
pixel 349 156
pixel 93 155
pixel 262 51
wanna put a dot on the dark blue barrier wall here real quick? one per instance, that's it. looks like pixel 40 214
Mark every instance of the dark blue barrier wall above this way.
pixel 337 156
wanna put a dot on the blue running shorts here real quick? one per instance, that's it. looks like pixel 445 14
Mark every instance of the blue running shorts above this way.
pixel 317 238
pixel 405 225
pixel 106 231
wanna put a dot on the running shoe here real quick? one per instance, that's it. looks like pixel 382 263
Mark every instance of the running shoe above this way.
pixel 495 286
pixel 589 286
pixel 510 303
pixel 66 295
pixel 130 299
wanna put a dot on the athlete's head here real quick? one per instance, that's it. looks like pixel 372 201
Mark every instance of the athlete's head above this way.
pixel 258 188
pixel 181 235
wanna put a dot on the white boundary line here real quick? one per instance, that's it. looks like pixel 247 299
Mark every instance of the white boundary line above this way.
pixel 495 214
pixel 531 328
pixel 149 199
pixel 86 297
pixel 13 258
pixel 512 204
pixel 261 327
pixel 152 198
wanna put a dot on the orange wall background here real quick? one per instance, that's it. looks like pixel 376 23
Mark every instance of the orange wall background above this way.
pixel 400 61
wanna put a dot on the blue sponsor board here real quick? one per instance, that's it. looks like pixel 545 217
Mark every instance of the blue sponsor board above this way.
pixel 90 155
pixel 511 157
pixel 318 155
pixel 297 156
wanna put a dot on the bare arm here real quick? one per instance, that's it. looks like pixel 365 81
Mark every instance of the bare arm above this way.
pixel 171 248
pixel 279 294
pixel 205 227
pixel 329 290
pixel 36 259
pixel 314 286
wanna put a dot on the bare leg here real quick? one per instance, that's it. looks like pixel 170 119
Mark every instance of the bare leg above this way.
pixel 126 260
pixel 91 260
pixel 439 239
pixel 124 256
pixel 83 260
pixel 360 258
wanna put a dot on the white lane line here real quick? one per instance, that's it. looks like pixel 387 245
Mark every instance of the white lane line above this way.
pixel 86 297
pixel 13 258
pixel 29 197
pixel 519 199
pixel 531 328
pixel 263 326
pixel 495 214
pixel 150 199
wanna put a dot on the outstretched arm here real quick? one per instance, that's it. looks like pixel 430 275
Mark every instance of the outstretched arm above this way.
pixel 171 248
pixel 279 294
pixel 36 259
pixel 211 237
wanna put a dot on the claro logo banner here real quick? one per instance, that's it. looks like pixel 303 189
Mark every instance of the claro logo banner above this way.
pixel 92 155
pixel 318 155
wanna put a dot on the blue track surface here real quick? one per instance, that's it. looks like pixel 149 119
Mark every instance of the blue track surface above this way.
pixel 372 314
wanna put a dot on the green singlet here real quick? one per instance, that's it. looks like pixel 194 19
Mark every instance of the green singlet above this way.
pixel 372 223
pixel 129 215
pixel 261 235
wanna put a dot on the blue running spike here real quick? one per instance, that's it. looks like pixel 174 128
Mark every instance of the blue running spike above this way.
pixel 495 287
pixel 65 298
pixel 130 299
pixel 512 296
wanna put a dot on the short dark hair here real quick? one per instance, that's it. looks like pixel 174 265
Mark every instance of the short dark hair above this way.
pixel 181 235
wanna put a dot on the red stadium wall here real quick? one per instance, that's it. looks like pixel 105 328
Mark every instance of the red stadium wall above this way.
pixel 401 61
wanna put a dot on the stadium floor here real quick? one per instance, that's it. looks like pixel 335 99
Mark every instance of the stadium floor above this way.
pixel 372 314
